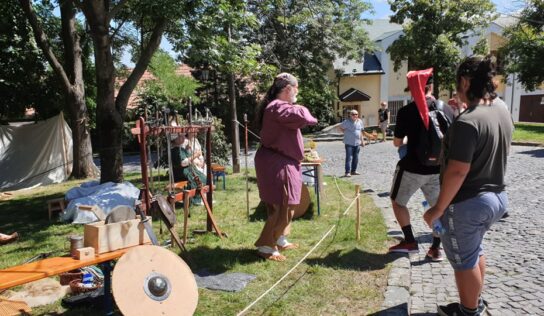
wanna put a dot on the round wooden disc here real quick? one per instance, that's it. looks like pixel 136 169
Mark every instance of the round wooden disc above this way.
pixel 120 213
pixel 131 277
pixel 301 209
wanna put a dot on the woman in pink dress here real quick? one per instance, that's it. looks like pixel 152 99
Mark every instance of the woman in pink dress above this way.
pixel 277 162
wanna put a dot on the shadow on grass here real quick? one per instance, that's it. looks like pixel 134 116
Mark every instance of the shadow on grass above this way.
pixel 219 260
pixel 28 217
pixel 355 259
pixel 259 213
pixel 537 153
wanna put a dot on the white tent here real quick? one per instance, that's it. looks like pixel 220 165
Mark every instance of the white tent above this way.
pixel 35 154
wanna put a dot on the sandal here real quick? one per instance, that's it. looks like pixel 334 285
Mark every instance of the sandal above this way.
pixel 288 246
pixel 271 256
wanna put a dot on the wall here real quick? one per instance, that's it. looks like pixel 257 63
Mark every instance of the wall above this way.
pixel 369 84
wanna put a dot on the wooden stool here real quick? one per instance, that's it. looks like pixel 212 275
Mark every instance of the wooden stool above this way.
pixel 178 186
pixel 55 205
pixel 218 171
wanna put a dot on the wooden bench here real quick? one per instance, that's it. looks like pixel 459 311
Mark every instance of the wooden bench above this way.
pixel 37 270
pixel 218 171
pixel 21 274
pixel 55 205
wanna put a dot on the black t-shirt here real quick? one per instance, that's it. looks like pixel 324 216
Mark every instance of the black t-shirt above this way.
pixel 383 114
pixel 409 124
pixel 480 136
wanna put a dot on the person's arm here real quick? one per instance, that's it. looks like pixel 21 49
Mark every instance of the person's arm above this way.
pixel 400 134
pixel 362 135
pixel 293 115
pixel 452 179
pixel 397 142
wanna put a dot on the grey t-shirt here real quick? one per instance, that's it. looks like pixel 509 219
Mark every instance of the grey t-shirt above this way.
pixel 481 136
pixel 352 131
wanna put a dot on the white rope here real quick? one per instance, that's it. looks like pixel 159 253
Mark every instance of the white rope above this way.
pixel 299 262
pixel 338 188
pixel 351 204
pixel 247 129
pixel 288 272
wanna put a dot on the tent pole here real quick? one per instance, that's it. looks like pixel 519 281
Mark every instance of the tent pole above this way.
pixel 64 153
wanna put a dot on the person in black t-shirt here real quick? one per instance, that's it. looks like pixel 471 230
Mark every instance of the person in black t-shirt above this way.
pixel 410 176
pixel 472 197
pixel 383 116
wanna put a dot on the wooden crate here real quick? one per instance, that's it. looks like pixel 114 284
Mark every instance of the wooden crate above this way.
pixel 109 237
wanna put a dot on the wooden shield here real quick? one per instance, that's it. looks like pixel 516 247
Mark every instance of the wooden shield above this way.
pixel 150 280
pixel 301 209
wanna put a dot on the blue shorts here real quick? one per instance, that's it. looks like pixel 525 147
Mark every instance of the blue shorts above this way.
pixel 465 225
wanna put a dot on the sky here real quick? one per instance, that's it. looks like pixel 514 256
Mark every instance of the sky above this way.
pixel 381 11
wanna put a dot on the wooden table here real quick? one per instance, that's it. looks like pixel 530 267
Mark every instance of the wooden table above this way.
pixel 314 173
pixel 37 270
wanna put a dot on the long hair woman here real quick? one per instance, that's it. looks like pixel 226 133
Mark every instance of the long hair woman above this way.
pixel 472 195
pixel 277 162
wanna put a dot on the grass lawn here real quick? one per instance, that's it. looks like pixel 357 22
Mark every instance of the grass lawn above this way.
pixel 529 132
pixel 343 276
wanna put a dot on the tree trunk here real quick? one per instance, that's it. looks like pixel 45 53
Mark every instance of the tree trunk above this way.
pixel 111 110
pixel 83 165
pixel 109 118
pixel 71 77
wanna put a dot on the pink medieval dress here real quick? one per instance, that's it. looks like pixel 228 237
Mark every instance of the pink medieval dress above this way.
pixel 277 161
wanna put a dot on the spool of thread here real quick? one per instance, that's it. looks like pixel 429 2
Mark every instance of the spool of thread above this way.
pixel 76 242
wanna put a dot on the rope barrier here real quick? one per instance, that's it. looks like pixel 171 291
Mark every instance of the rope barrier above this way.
pixel 299 262
pixel 339 191
pixel 236 121
pixel 288 272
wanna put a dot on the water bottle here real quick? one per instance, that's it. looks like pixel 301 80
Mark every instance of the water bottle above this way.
pixel 438 229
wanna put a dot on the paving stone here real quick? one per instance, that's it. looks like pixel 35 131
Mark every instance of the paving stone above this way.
pixel 514 255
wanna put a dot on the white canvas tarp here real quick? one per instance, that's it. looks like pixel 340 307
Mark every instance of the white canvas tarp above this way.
pixel 35 154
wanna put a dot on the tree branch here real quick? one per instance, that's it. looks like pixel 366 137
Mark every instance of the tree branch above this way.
pixel 145 58
pixel 116 9
pixel 112 36
pixel 43 42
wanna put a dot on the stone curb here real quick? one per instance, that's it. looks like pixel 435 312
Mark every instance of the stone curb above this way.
pixel 533 144
pixel 397 294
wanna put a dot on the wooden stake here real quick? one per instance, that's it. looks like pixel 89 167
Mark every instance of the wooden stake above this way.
pixel 358 221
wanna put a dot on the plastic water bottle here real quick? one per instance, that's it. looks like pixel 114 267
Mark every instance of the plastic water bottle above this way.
pixel 438 229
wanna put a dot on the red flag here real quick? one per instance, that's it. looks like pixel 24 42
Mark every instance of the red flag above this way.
pixel 417 80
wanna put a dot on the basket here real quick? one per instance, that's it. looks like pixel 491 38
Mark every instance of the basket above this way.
pixel 77 287
pixel 67 277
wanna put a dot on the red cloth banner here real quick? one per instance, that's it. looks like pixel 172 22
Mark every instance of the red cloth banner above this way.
pixel 417 80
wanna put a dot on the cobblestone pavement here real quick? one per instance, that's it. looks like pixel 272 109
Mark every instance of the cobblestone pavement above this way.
pixel 515 271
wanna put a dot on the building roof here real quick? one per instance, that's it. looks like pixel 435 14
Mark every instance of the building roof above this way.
pixel 353 94
pixel 506 20
pixel 369 65
pixel 379 27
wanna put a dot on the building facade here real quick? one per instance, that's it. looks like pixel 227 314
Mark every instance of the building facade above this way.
pixel 363 85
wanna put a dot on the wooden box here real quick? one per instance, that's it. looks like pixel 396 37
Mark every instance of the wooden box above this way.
pixel 109 237
pixel 86 253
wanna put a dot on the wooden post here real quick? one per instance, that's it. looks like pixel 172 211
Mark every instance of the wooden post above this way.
pixel 209 176
pixel 358 221
pixel 247 172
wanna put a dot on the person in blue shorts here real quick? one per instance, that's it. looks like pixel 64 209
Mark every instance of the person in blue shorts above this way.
pixel 472 192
